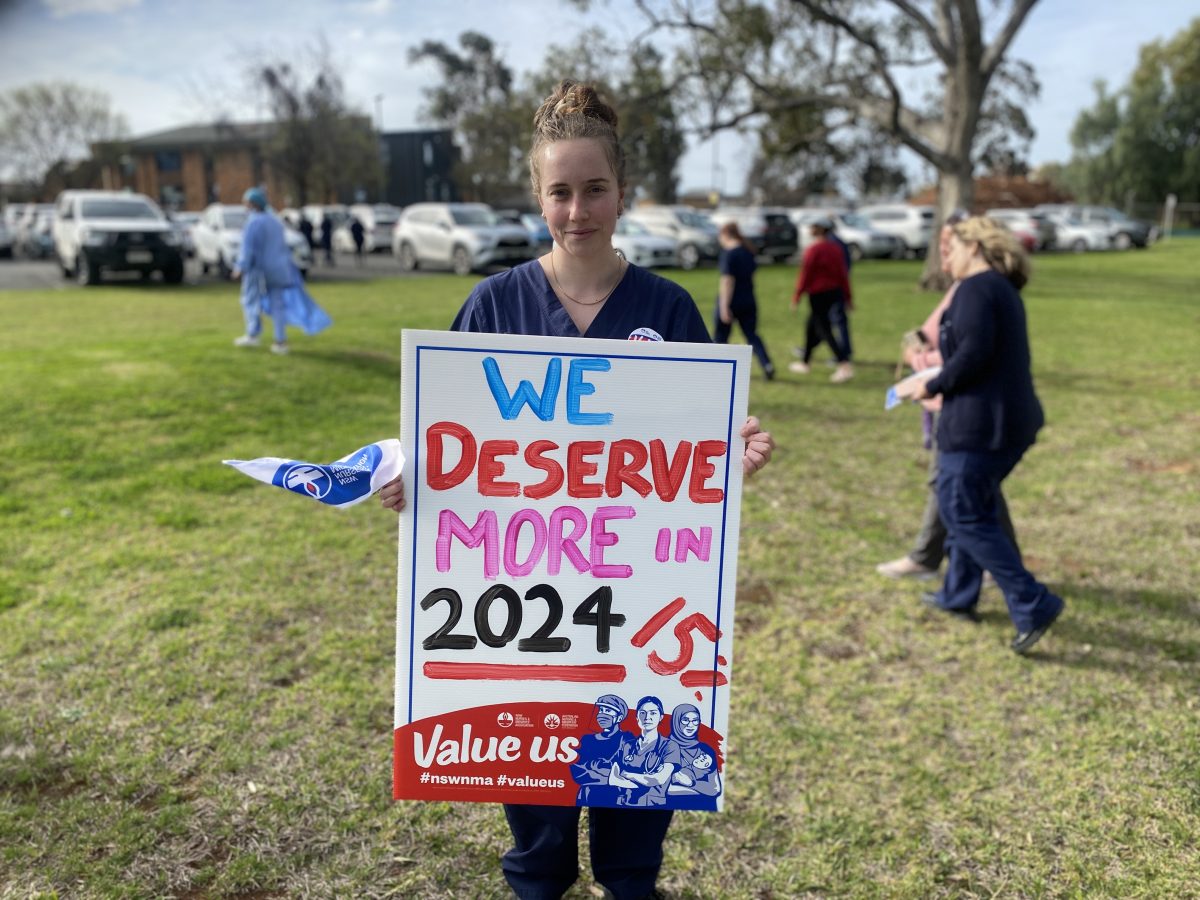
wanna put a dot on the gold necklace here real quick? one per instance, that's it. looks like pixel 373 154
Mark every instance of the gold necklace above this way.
pixel 561 290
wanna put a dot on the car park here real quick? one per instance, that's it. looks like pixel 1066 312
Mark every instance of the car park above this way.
pixel 771 231
pixel 693 231
pixel 378 221
pixel 1078 236
pixel 185 224
pixel 539 232
pixel 108 231
pixel 911 225
pixel 1037 225
pixel 218 237
pixel 636 244
pixel 861 240
pixel 1124 232
pixel 462 237
pixel 36 239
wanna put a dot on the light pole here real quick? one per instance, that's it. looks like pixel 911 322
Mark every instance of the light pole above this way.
pixel 379 112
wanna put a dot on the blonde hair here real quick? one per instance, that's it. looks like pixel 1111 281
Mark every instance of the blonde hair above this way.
pixel 1000 249
pixel 574 111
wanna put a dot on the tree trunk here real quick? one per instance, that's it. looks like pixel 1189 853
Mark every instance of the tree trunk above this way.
pixel 956 191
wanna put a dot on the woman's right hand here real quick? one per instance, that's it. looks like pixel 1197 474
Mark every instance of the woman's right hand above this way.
pixel 391 495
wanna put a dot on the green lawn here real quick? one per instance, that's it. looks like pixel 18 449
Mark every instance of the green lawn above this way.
pixel 196 671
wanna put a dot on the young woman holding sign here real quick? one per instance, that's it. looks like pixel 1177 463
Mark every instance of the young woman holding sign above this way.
pixel 582 288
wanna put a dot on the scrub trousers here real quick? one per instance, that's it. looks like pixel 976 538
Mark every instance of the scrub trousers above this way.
pixel 626 847
pixel 253 307
pixel 968 487
pixel 747 319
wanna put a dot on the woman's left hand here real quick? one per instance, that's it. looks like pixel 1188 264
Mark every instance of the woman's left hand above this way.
pixel 759 445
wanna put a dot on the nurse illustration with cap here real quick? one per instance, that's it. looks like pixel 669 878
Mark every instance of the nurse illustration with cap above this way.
pixel 598 752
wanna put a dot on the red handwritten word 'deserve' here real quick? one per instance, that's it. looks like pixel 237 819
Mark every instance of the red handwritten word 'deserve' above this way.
pixel 626 460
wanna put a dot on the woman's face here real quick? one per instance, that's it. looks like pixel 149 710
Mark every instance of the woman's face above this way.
pixel 579 196
pixel 961 256
pixel 649 716
pixel 689 724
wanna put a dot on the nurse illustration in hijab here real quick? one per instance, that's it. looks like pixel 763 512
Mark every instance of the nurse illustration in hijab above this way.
pixel 598 752
pixel 696 783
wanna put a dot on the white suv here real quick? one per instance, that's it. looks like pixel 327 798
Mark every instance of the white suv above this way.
pixel 218 237
pixel 99 231
pixel 913 225
pixel 462 237
pixel 695 232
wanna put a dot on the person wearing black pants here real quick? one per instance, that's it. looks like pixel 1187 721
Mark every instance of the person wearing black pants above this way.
pixel 735 294
pixel 824 277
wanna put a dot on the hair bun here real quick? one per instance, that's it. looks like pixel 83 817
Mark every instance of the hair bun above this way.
pixel 572 98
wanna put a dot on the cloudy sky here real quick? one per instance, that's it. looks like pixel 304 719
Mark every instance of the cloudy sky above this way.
pixel 173 62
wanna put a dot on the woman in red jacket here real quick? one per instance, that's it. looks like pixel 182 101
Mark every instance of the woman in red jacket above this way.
pixel 824 277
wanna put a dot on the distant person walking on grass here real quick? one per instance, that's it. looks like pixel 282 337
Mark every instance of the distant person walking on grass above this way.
pixel 271 283
pixel 359 235
pixel 327 237
pixel 824 277
pixel 735 294
pixel 990 417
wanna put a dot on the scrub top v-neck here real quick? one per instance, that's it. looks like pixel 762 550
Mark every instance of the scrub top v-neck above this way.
pixel 643 306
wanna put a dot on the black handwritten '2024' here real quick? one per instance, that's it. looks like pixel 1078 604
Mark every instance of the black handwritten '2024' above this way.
pixel 595 611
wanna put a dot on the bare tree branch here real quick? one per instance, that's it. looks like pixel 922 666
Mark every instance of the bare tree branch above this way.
pixel 995 53
pixel 932 33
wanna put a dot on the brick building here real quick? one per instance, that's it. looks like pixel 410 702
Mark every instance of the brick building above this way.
pixel 192 166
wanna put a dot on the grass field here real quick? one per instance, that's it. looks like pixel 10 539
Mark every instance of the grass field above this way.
pixel 196 671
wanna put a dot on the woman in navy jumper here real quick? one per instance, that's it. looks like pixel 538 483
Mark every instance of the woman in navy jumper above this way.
pixel 990 417
pixel 735 294
pixel 583 288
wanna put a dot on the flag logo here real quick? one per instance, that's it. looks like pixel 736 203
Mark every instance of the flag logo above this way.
pixel 312 481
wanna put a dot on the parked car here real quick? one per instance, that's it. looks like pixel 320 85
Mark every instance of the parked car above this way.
pixel 1078 236
pixel 36 240
pixel 912 225
pixel 771 231
pixel 539 232
pixel 462 237
pixel 107 231
pixel 693 231
pixel 863 241
pixel 33 230
pixel 218 237
pixel 378 221
pixel 185 224
pixel 1123 231
pixel 634 241
pixel 1028 221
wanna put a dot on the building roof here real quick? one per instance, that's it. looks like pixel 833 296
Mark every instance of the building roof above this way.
pixel 205 135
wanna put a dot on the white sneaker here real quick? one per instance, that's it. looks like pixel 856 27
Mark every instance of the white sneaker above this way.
pixel 280 349
pixel 800 368
pixel 904 567
pixel 245 341
pixel 844 373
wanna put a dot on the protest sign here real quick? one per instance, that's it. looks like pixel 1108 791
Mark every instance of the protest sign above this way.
pixel 568 557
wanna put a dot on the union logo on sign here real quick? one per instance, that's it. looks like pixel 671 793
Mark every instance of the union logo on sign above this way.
pixel 552 721
pixel 504 720
pixel 309 480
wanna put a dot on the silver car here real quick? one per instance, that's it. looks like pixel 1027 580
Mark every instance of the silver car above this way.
pixel 462 237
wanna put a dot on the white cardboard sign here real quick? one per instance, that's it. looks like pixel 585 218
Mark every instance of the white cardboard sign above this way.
pixel 568 558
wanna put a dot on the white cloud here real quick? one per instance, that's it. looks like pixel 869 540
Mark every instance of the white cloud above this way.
pixel 61 9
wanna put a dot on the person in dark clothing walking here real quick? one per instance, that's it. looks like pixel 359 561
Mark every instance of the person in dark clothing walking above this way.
pixel 358 234
pixel 990 417
pixel 823 276
pixel 735 294
pixel 327 237
pixel 306 229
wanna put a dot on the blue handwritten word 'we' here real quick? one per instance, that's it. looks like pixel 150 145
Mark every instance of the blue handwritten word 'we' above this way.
pixel 543 406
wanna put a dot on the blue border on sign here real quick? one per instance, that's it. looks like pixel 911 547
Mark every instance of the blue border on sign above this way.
pixel 412 616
